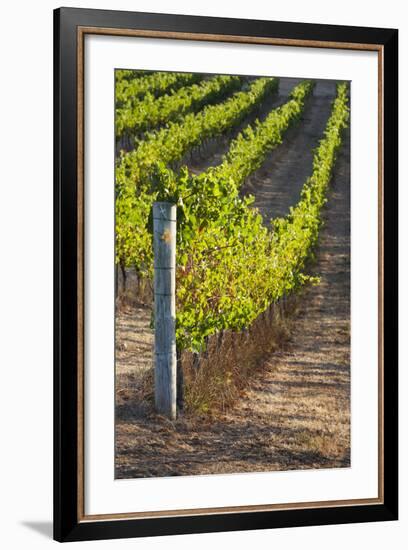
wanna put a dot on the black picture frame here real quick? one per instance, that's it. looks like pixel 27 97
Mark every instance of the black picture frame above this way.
pixel 68 523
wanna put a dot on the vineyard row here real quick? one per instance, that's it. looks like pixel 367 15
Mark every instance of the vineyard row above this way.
pixel 231 267
pixel 154 84
pixel 152 112
pixel 171 143
pixel 202 198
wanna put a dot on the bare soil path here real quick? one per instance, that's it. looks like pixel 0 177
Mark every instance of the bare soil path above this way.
pixel 295 413
pixel 218 147
pixel 276 185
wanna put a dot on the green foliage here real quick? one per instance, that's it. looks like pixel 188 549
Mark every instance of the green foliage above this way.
pixel 129 74
pixel 230 266
pixel 151 112
pixel 134 171
pixel 171 143
pixel 128 89
pixel 248 151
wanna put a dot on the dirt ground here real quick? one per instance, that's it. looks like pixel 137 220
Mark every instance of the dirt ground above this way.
pixel 277 184
pixel 295 412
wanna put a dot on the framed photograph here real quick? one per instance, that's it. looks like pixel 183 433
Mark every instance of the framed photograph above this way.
pixel 225 274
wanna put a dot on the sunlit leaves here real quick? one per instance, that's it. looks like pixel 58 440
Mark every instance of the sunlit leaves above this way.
pixel 151 112
pixel 230 266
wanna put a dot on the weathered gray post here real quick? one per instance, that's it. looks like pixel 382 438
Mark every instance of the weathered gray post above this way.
pixel 164 245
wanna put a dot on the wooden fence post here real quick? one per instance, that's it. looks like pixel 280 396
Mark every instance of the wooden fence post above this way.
pixel 164 246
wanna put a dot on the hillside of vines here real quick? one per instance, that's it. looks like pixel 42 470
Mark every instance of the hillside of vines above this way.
pixel 257 167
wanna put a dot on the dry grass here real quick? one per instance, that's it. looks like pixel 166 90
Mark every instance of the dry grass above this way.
pixel 134 361
pixel 294 414
pixel 214 379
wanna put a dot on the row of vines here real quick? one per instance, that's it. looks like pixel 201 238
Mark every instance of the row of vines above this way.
pixel 230 265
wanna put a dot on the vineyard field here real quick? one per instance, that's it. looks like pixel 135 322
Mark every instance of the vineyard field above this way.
pixel 259 169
